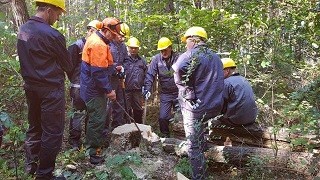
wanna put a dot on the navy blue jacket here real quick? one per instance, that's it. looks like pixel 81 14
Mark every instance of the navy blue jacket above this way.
pixel 119 53
pixel 159 67
pixel 43 54
pixel 135 72
pixel 199 75
pixel 75 51
pixel 239 102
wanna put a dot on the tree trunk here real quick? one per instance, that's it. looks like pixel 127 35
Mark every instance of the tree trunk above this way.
pixel 20 12
pixel 240 156
pixel 250 136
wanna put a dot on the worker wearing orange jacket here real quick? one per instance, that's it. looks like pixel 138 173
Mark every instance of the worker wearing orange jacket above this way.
pixel 95 83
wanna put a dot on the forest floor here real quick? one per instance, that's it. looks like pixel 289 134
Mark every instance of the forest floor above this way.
pixel 144 162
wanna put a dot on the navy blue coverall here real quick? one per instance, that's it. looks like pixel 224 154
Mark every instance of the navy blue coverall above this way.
pixel 78 105
pixel 168 89
pixel 239 102
pixel 199 77
pixel 43 60
pixel 120 54
pixel 135 74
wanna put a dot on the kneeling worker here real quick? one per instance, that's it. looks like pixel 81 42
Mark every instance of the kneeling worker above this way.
pixel 239 108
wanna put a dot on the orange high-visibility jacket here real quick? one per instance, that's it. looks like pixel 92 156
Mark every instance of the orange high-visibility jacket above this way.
pixel 95 68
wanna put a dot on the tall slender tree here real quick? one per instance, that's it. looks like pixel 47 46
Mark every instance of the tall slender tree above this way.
pixel 20 12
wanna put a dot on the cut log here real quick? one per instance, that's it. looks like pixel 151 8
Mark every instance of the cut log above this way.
pixel 241 156
pixel 253 135
pixel 127 136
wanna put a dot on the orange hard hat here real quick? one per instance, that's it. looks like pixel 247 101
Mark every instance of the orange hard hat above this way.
pixel 112 24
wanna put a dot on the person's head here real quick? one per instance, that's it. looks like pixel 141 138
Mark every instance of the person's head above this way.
pixel 110 27
pixel 50 10
pixel 124 32
pixel 133 45
pixel 165 47
pixel 229 67
pixel 92 27
pixel 193 36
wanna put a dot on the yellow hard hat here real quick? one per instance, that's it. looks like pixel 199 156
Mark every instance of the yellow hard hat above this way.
pixel 59 3
pixel 228 63
pixel 95 24
pixel 124 30
pixel 164 43
pixel 194 31
pixel 133 42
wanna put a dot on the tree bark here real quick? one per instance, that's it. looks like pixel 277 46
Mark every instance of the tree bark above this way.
pixel 20 12
pixel 240 156
pixel 250 136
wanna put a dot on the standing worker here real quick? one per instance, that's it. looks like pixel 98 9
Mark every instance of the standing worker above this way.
pixel 78 105
pixel 95 85
pixel 239 107
pixel 136 68
pixel 199 77
pixel 161 65
pixel 119 53
pixel 43 60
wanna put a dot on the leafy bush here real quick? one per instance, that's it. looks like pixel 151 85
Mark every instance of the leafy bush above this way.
pixel 184 167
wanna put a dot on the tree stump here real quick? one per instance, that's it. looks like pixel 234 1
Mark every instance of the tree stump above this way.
pixel 128 136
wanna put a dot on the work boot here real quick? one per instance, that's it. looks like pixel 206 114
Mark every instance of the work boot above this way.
pixel 75 146
pixel 59 178
pixel 31 168
pixel 165 135
pixel 95 160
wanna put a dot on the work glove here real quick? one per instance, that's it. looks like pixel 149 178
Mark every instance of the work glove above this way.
pixel 146 94
pixel 194 104
pixel 120 72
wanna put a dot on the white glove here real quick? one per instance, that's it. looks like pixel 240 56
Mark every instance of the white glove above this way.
pixel 146 94
pixel 194 104
pixel 120 72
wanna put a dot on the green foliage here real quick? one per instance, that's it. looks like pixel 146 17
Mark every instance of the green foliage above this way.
pixel 303 112
pixel 275 44
pixel 184 167
pixel 121 164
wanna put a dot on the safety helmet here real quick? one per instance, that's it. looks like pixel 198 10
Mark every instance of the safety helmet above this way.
pixel 228 63
pixel 164 43
pixel 112 24
pixel 194 31
pixel 94 24
pixel 124 30
pixel 58 3
pixel 133 42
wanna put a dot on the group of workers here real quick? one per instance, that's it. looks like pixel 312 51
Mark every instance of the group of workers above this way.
pixel 108 76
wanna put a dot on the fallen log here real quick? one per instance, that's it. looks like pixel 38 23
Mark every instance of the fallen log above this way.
pixel 241 156
pixel 253 135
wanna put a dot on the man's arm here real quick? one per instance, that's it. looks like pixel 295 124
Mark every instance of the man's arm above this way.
pixel 63 57
pixel 151 73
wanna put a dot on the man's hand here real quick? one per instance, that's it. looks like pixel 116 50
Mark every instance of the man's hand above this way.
pixel 120 72
pixel 145 93
pixel 112 96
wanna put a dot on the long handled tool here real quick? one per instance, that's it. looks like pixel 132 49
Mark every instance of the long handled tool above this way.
pixel 144 118
pixel 125 100
pixel 128 115
pixel 145 111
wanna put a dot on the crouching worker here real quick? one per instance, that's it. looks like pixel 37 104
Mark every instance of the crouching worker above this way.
pixel 239 107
